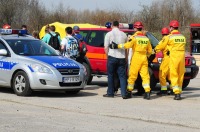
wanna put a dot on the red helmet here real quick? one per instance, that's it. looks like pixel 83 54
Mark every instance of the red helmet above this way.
pixel 6 26
pixel 138 25
pixel 174 23
pixel 165 31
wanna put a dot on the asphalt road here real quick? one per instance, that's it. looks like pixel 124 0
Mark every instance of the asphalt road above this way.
pixel 88 111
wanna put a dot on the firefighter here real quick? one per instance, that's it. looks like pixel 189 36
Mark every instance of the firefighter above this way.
pixel 176 45
pixel 141 46
pixel 164 67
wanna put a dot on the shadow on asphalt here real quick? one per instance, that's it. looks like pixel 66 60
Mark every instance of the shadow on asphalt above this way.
pixel 96 85
pixel 61 94
pixel 7 90
pixel 100 83
pixel 53 94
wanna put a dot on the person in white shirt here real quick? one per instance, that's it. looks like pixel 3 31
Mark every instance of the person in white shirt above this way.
pixel 69 45
pixel 116 62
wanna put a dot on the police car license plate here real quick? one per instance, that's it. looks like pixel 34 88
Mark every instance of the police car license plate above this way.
pixel 71 79
pixel 188 70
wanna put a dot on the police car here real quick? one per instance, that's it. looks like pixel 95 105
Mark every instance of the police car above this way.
pixel 28 64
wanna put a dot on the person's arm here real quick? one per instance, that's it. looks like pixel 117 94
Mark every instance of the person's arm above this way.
pixel 63 44
pixel 59 39
pixel 106 44
pixel 45 38
pixel 128 44
pixel 162 44
pixel 149 49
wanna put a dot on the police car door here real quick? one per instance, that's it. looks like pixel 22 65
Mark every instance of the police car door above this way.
pixel 4 65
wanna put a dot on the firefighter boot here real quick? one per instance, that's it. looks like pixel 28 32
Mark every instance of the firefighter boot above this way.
pixel 177 97
pixel 147 95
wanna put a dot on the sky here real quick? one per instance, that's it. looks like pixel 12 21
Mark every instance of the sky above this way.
pixel 102 4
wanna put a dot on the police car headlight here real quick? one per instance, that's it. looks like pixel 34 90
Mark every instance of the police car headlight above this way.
pixel 41 69
pixel 193 61
pixel 159 60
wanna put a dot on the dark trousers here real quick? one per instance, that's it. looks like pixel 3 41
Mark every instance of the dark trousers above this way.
pixel 116 65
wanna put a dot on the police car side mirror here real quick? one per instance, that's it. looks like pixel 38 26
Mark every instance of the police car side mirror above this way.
pixel 3 52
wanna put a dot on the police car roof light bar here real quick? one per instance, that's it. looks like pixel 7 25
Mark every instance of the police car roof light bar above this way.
pixel 121 25
pixel 13 31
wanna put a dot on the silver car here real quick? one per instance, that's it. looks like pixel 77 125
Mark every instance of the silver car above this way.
pixel 28 64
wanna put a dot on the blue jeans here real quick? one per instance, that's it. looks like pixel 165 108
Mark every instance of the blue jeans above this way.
pixel 116 65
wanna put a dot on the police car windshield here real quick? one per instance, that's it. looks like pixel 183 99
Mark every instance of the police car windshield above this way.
pixel 31 48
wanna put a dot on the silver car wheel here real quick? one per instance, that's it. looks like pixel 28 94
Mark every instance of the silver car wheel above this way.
pixel 20 83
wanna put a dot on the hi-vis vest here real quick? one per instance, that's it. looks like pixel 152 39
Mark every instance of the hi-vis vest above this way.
pixel 177 42
pixel 141 44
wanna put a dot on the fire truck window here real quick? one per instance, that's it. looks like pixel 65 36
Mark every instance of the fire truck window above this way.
pixel 96 38
pixel 84 33
pixel 154 41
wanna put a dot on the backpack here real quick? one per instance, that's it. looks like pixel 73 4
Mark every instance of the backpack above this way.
pixel 54 42
pixel 82 46
pixel 83 49
pixel 72 47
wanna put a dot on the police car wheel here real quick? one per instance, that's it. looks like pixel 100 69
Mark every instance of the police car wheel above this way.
pixel 89 76
pixel 20 84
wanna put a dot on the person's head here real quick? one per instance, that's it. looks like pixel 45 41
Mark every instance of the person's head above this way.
pixel 35 34
pixel 47 29
pixel 76 29
pixel 174 24
pixel 52 28
pixel 115 24
pixel 138 26
pixel 68 30
pixel 6 26
pixel 24 27
pixel 165 31
pixel 108 24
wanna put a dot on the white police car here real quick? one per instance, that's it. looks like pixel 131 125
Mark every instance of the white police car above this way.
pixel 28 64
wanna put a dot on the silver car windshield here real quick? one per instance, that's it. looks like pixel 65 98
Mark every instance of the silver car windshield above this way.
pixel 31 48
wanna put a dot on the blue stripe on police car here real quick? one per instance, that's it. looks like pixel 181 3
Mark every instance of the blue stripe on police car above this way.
pixel 7 65
pixel 57 61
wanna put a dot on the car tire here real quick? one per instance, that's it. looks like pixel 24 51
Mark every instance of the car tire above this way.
pixel 185 83
pixel 73 92
pixel 21 84
pixel 89 76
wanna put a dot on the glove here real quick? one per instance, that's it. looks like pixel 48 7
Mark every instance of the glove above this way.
pixel 151 57
pixel 113 45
